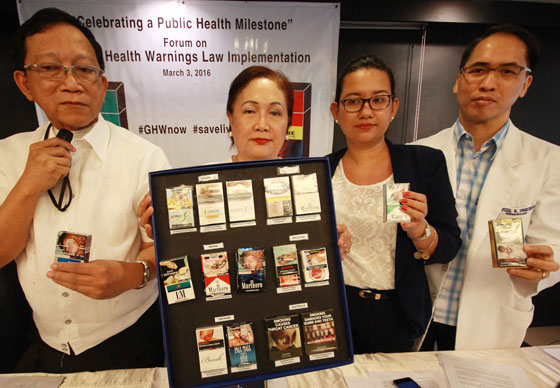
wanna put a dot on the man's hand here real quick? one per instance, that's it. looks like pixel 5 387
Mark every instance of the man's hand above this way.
pixel 47 162
pixel 540 259
pixel 344 240
pixel 145 211
pixel 98 279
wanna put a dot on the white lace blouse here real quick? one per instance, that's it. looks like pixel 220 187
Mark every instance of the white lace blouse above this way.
pixel 371 261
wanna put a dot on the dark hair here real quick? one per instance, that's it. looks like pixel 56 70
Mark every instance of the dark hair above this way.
pixel 61 238
pixel 41 21
pixel 254 72
pixel 364 62
pixel 530 41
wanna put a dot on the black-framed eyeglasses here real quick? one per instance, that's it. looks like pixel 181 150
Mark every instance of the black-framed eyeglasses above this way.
pixel 506 72
pixel 377 102
pixel 57 71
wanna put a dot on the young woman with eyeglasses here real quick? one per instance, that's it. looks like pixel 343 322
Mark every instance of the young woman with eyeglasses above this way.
pixel 387 290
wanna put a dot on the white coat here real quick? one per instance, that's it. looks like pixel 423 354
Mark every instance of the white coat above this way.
pixel 495 309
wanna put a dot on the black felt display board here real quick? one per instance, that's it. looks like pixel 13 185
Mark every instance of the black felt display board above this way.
pixel 180 320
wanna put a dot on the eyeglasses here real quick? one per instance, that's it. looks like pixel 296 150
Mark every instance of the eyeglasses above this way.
pixel 377 102
pixel 505 72
pixel 57 71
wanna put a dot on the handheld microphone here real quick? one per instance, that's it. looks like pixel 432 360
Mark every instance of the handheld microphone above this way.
pixel 65 134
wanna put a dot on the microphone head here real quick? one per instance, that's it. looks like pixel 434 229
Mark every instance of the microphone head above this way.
pixel 65 134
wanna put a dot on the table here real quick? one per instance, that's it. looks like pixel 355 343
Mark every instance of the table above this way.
pixel 333 378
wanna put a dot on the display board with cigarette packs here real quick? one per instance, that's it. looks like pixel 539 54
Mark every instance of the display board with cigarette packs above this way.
pixel 249 271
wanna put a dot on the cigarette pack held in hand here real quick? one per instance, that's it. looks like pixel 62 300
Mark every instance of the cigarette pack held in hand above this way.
pixel 72 247
pixel 506 241
pixel 392 195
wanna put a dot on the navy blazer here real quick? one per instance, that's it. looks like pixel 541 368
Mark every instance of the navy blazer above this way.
pixel 426 171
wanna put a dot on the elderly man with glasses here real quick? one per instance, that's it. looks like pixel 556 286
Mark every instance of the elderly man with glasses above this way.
pixel 497 171
pixel 101 314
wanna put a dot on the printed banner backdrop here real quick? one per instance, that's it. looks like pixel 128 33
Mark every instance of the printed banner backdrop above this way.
pixel 170 63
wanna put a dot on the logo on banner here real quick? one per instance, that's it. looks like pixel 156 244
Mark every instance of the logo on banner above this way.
pixel 299 132
pixel 114 106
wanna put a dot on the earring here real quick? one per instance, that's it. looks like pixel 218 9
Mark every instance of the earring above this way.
pixel 287 136
pixel 336 121
pixel 230 134
pixel 392 117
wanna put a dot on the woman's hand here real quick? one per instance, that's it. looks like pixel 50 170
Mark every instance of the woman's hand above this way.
pixel 344 240
pixel 145 211
pixel 416 206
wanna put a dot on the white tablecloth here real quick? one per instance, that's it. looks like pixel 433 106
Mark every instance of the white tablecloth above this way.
pixel 333 378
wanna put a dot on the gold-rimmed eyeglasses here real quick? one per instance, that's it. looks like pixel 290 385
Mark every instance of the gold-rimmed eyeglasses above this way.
pixel 57 71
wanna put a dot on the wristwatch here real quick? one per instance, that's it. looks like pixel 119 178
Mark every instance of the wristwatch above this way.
pixel 427 233
pixel 147 273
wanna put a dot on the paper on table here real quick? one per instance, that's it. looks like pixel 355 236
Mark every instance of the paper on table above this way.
pixel 546 372
pixel 465 373
pixel 31 381
pixel 384 379
pixel 359 382
pixel 554 352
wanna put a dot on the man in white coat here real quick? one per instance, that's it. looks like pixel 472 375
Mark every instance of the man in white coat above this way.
pixel 497 171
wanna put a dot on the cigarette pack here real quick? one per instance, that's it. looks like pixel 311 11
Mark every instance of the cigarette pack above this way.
pixel 287 268
pixel 319 334
pixel 72 247
pixel 315 267
pixel 217 283
pixel 210 197
pixel 278 197
pixel 240 200
pixel 306 194
pixel 241 344
pixel 506 241
pixel 251 269
pixel 176 276
pixel 392 195
pixel 284 339
pixel 211 351
pixel 180 207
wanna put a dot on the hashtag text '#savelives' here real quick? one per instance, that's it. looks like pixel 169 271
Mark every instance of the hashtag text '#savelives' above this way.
pixel 210 129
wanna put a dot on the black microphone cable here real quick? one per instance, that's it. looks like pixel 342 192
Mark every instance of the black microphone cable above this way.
pixel 65 135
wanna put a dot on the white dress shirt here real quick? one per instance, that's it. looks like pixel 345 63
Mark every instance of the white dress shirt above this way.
pixel 109 178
